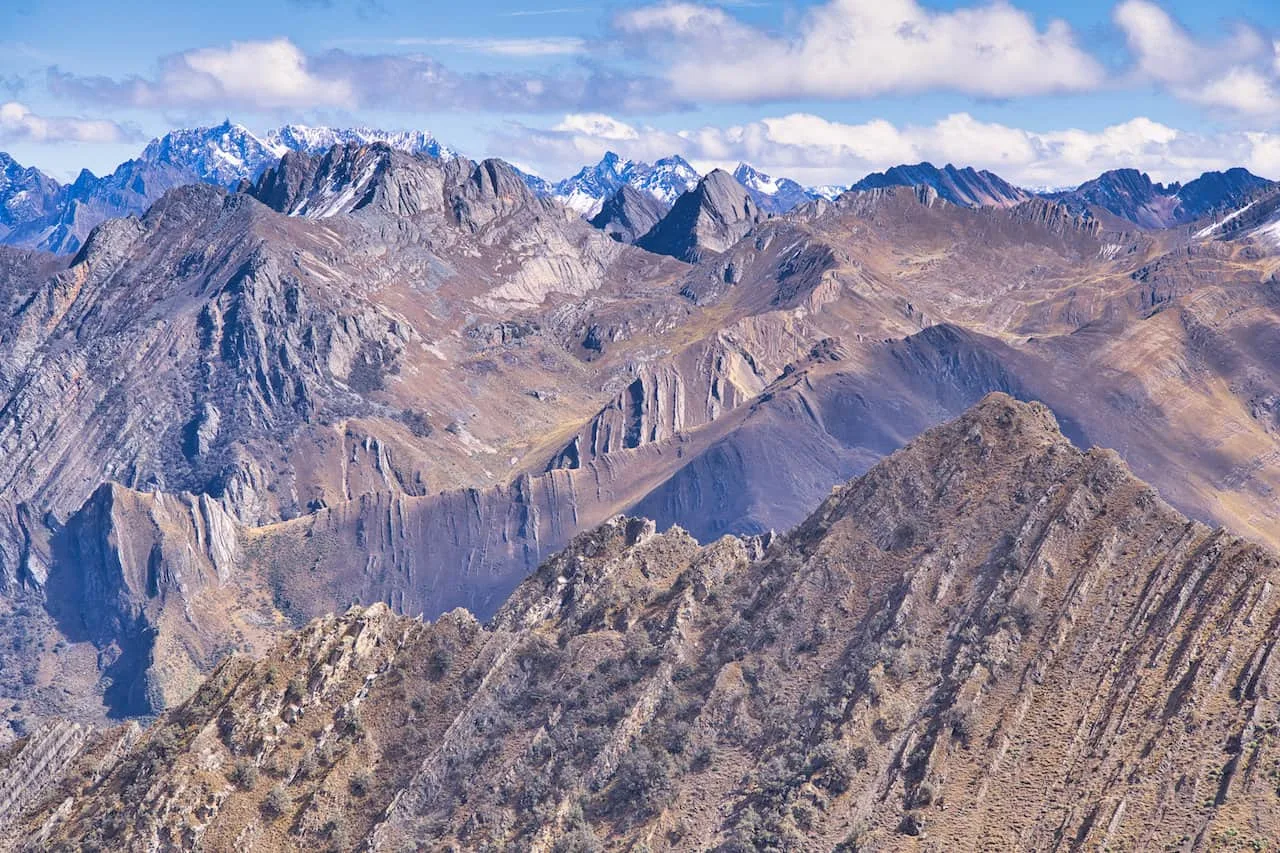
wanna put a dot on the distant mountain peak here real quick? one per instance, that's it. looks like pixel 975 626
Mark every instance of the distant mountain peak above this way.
pixel 967 187
pixel 629 214
pixel 1131 195
pixel 707 219
pixel 588 189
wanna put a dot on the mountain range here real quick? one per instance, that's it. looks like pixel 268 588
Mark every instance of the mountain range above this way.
pixel 729 526
pixel 41 213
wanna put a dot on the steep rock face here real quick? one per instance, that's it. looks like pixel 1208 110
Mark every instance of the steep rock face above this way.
pixel 628 214
pixel 966 187
pixel 349 178
pixel 231 345
pixel 125 556
pixel 706 220
pixel 991 640
pixel 26 194
pixel 280 365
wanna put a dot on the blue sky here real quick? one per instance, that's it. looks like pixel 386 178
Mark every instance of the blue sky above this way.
pixel 1044 93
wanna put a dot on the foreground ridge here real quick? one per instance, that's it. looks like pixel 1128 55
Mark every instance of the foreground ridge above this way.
pixel 990 640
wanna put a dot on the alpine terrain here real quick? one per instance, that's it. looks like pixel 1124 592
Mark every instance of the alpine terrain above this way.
pixel 358 494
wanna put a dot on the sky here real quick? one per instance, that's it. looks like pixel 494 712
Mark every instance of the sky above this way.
pixel 1043 93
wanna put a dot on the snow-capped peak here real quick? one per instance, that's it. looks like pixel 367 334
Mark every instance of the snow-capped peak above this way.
pixel 830 192
pixel 753 179
pixel 316 140
pixel 229 152
pixel 587 190
pixel 223 154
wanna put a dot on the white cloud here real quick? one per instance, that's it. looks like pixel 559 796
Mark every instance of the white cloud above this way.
pixel 597 125
pixel 1239 74
pixel 523 47
pixel 861 48
pixel 815 150
pixel 277 76
pixel 19 124
pixel 271 74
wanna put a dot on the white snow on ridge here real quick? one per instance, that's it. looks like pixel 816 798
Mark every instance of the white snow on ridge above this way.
pixel 830 192
pixel 1208 230
pixel 1270 233
pixel 229 153
pixel 753 179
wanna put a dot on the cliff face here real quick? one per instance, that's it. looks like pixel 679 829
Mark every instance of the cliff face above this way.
pixel 990 640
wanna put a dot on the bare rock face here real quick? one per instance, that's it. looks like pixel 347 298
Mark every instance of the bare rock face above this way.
pixel 706 220
pixel 991 640
pixel 148 579
pixel 628 214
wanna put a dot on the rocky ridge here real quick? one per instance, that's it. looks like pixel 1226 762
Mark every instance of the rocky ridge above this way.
pixel 706 220
pixel 966 187
pixel 992 639
pixel 1134 197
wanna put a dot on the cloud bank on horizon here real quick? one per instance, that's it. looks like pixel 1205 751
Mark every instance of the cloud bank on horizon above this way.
pixel 679 77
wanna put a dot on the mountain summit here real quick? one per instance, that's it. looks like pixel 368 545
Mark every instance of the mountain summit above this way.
pixel 966 187
pixel 58 219
pixel 707 219
pixel 586 191
pixel 772 195
pixel 1134 197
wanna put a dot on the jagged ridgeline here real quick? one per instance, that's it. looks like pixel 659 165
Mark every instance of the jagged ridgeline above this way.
pixel 381 375
pixel 992 640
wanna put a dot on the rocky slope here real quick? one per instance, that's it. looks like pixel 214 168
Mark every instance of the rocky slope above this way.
pixel 704 221
pixel 628 214
pixel 219 350
pixel 991 640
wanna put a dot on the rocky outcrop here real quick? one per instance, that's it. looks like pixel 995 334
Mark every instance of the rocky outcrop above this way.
pixel 628 214
pixel 705 221
pixel 992 639
pixel 150 581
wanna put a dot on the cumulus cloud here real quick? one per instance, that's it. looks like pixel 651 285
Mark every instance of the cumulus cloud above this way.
pixel 265 74
pixel 1240 73
pixel 816 150
pixel 19 124
pixel 277 76
pixel 861 48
